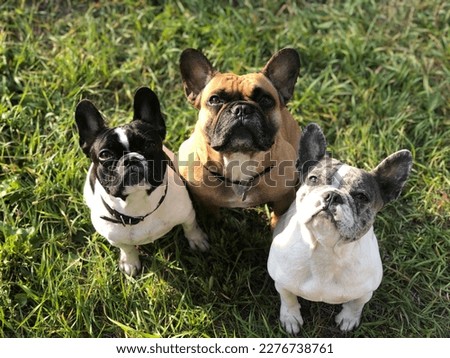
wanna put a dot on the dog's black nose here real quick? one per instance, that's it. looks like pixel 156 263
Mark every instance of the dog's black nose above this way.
pixel 333 198
pixel 242 110
pixel 132 159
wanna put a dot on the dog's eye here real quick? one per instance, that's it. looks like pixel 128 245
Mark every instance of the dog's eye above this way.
pixel 313 179
pixel 361 197
pixel 105 155
pixel 215 100
pixel 266 102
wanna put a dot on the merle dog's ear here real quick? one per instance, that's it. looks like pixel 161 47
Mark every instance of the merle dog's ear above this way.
pixel 282 70
pixel 89 122
pixel 392 173
pixel 312 148
pixel 147 108
pixel 196 72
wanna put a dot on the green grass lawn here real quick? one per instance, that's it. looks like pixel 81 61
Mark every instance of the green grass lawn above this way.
pixel 375 75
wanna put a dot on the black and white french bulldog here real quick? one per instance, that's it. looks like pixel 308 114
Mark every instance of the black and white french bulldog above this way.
pixel 134 193
pixel 324 247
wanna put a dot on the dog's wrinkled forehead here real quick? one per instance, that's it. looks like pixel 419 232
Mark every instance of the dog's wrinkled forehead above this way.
pixel 237 88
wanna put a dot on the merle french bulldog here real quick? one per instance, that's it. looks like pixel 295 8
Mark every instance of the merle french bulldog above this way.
pixel 324 247
pixel 132 188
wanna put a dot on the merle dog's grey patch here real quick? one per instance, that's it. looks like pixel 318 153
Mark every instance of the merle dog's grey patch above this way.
pixel 357 189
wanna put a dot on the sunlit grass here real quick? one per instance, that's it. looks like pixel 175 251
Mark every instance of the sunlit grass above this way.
pixel 374 75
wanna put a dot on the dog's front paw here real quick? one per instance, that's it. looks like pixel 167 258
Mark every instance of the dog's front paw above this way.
pixel 129 262
pixel 291 321
pixel 347 320
pixel 198 241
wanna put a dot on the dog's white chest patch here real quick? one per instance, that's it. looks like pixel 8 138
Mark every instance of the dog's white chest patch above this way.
pixel 239 166
pixel 122 138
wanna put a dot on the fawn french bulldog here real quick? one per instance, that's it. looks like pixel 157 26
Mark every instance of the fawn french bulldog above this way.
pixel 243 149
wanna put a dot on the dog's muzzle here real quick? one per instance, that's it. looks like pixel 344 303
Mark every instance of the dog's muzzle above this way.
pixel 327 203
pixel 332 199
pixel 133 168
pixel 242 126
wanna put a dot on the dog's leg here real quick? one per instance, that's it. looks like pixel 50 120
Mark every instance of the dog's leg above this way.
pixel 129 260
pixel 290 316
pixel 350 315
pixel 196 237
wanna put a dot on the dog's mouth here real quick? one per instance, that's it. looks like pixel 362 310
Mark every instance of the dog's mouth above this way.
pixel 325 212
pixel 135 174
pixel 238 139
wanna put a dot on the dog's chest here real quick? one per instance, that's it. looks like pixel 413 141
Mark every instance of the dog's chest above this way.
pixel 139 234
pixel 333 282
pixel 246 181
pixel 160 217
pixel 235 195
pixel 240 166
pixel 148 230
pixel 325 274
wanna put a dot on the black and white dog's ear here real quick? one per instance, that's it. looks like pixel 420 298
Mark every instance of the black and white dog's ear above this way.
pixel 147 108
pixel 282 70
pixel 196 72
pixel 312 147
pixel 89 122
pixel 392 173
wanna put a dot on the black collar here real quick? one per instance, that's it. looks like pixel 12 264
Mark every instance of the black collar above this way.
pixel 245 184
pixel 119 218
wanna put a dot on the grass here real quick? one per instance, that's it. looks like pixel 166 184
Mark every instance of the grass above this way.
pixel 375 75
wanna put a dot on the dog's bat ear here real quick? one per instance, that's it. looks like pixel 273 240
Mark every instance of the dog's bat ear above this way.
pixel 89 122
pixel 196 72
pixel 392 173
pixel 312 147
pixel 282 70
pixel 147 108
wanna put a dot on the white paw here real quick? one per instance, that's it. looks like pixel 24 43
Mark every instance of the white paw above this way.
pixel 291 321
pixel 130 263
pixel 347 320
pixel 198 240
